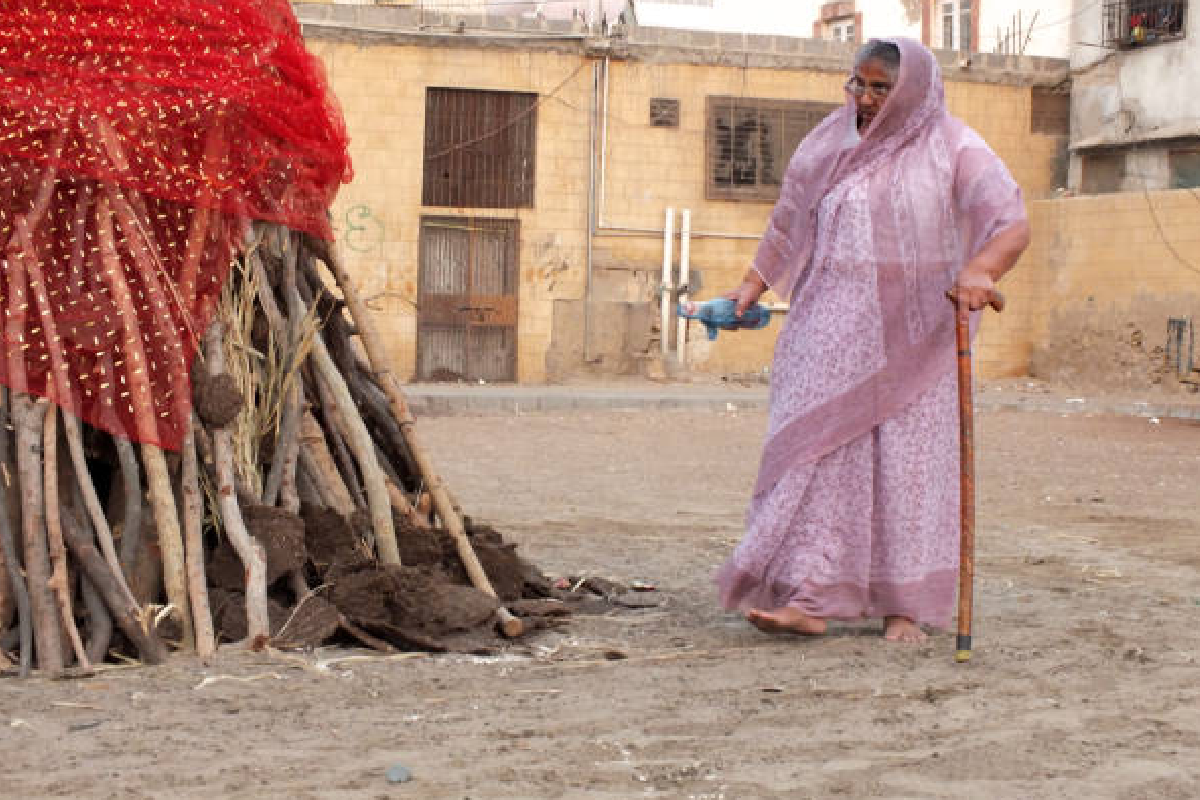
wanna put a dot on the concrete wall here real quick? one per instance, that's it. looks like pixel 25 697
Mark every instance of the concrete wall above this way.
pixel 381 78
pixel 1100 282
pixel 1140 95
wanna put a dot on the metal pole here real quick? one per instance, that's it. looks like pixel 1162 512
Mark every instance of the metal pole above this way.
pixel 685 247
pixel 668 258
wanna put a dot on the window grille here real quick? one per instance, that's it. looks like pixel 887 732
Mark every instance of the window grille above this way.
pixel 664 112
pixel 750 142
pixel 479 148
pixel 1139 23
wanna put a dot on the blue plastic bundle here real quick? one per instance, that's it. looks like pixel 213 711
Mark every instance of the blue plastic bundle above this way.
pixel 717 315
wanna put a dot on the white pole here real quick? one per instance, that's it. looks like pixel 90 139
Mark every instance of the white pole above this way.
pixel 668 258
pixel 685 248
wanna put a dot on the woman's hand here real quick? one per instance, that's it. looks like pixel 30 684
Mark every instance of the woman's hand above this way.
pixel 976 283
pixel 975 287
pixel 747 293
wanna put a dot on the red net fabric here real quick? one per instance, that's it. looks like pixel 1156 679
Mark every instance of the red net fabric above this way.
pixel 137 138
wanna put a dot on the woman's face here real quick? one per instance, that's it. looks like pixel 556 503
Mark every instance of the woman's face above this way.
pixel 871 85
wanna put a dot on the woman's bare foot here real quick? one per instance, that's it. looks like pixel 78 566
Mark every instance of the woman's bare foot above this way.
pixel 903 629
pixel 786 620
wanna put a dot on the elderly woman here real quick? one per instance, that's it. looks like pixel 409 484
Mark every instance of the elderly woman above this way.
pixel 888 205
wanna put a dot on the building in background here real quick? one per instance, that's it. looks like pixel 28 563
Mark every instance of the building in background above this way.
pixel 531 194
pixel 1115 257
pixel 1018 27
pixel 1028 27
pixel 1136 110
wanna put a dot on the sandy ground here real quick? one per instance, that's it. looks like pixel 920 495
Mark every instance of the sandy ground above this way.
pixel 1084 682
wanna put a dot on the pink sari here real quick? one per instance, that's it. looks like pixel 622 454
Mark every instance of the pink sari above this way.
pixel 855 508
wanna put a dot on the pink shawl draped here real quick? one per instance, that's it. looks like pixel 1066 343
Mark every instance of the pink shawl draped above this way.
pixel 936 195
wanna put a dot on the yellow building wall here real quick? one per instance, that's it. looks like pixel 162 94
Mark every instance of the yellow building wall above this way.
pixel 651 168
pixel 377 216
pixel 646 169
pixel 1103 276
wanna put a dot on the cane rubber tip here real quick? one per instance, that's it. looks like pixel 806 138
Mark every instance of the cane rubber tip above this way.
pixel 962 646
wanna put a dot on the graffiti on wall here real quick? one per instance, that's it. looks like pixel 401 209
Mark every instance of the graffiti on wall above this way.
pixel 359 230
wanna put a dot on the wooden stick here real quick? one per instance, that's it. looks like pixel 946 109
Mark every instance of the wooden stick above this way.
pixel 280 484
pixel 8 599
pixel 966 573
pixel 333 423
pixel 406 509
pixel 966 436
pixel 509 624
pixel 193 539
pixel 162 498
pixel 27 418
pixel 336 435
pixel 8 547
pixel 307 489
pixel 289 432
pixel 59 583
pixel 34 624
pixel 372 399
pixel 377 410
pixel 364 637
pixel 150 648
pixel 131 527
pixel 314 452
pixel 74 434
pixel 60 390
pixel 8 603
pixel 249 550
pixel 282 478
pixel 100 621
pixel 364 452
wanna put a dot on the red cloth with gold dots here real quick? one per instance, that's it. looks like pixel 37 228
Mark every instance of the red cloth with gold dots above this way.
pixel 137 140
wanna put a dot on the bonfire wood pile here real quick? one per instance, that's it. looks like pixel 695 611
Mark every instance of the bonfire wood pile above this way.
pixel 300 510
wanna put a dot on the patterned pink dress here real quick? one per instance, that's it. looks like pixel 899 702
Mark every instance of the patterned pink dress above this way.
pixel 855 512
pixel 869 529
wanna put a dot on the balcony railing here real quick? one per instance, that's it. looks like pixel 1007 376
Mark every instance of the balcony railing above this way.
pixel 1138 23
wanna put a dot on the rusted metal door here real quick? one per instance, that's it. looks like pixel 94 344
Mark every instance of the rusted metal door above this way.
pixel 467 305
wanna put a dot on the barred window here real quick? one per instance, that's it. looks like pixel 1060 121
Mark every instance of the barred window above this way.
pixel 750 142
pixel 1138 23
pixel 479 148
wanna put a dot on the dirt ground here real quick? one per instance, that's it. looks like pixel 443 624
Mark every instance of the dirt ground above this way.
pixel 1084 682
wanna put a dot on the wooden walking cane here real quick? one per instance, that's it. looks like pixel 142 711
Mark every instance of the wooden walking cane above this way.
pixel 966 438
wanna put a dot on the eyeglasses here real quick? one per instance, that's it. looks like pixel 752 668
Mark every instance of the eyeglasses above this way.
pixel 879 91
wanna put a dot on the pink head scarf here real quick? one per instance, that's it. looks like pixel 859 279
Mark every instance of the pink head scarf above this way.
pixel 914 108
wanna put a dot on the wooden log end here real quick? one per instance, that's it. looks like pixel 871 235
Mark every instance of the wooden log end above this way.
pixel 511 626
